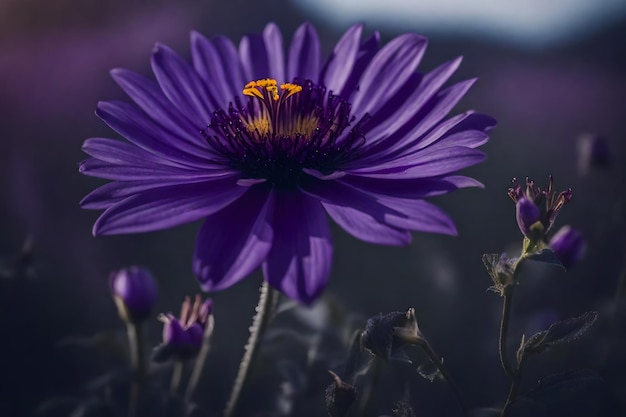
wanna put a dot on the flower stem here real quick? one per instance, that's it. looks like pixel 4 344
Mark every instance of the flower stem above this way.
pixel 137 362
pixel 436 360
pixel 504 330
pixel 268 300
pixel 177 373
pixel 199 364
pixel 510 399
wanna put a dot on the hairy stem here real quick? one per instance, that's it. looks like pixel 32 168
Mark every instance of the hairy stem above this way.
pixel 264 312
pixel 137 362
pixel 436 360
pixel 513 390
pixel 504 330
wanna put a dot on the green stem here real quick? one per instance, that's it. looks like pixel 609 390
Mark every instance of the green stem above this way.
pixel 513 390
pixel 200 360
pixel 177 373
pixel 366 396
pixel 137 362
pixel 436 360
pixel 504 330
pixel 268 300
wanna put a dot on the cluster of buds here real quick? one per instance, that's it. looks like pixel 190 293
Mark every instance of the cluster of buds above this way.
pixel 536 210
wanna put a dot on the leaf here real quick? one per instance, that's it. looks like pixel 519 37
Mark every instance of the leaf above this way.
pixel 579 393
pixel 501 269
pixel 561 332
pixel 545 256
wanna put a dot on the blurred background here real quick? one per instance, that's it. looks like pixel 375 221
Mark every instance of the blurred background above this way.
pixel 550 72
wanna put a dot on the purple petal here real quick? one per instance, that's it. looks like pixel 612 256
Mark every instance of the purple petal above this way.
pixel 142 131
pixel 253 56
pixel 304 54
pixel 300 259
pixel 166 207
pixel 388 72
pixel 229 60
pixel 357 213
pixel 419 215
pixel 275 56
pixel 367 51
pixel 401 188
pixel 339 66
pixel 427 163
pixel 118 152
pixel 215 69
pixel 234 241
pixel 108 194
pixel 413 106
pixel 98 168
pixel 182 86
pixel 149 97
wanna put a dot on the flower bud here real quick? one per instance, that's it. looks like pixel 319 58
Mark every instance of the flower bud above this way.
pixel 527 214
pixel 184 336
pixel 568 245
pixel 135 293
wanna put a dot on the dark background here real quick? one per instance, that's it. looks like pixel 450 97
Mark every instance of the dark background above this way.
pixel 54 62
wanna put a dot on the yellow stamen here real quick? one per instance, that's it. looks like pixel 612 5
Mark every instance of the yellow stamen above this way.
pixel 291 88
pixel 255 88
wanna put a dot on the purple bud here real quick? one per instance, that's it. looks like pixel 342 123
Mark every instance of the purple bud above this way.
pixel 174 335
pixel 195 335
pixel 137 290
pixel 568 245
pixel 527 214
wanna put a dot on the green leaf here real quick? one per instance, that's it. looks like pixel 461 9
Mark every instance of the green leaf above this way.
pixel 561 332
pixel 547 256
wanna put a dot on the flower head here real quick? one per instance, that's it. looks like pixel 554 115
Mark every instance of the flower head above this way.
pixel 547 201
pixel 135 293
pixel 183 336
pixel 264 145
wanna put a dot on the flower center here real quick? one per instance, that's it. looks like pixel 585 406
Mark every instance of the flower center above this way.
pixel 284 129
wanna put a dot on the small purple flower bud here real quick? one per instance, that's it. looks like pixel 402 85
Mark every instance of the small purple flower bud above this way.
pixel 174 335
pixel 135 293
pixel 568 245
pixel 527 214
pixel 195 334
pixel 184 336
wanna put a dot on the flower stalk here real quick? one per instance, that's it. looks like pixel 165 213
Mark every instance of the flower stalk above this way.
pixel 138 363
pixel 507 299
pixel 201 359
pixel 266 306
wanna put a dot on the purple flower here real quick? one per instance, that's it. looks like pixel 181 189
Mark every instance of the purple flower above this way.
pixel 134 291
pixel 264 145
pixel 183 336
pixel 547 201
pixel 527 214
pixel 568 245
